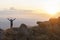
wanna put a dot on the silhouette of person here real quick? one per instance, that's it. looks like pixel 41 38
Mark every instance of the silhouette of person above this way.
pixel 11 22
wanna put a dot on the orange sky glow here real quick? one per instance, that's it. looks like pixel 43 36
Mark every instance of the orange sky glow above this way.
pixel 44 8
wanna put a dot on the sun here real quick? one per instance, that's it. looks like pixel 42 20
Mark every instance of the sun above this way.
pixel 51 11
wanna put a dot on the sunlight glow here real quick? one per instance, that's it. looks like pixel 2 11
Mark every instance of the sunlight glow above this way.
pixel 51 10
pixel 52 13
pixel 42 6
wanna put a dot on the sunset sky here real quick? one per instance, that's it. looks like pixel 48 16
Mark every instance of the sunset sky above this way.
pixel 40 6
pixel 47 5
pixel 28 11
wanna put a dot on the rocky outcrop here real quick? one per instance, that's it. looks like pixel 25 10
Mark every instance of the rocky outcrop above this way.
pixel 1 34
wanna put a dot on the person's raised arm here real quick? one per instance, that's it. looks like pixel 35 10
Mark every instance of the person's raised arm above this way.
pixel 8 19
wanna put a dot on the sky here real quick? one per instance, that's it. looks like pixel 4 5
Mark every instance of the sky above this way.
pixel 28 11
pixel 40 6
pixel 47 5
